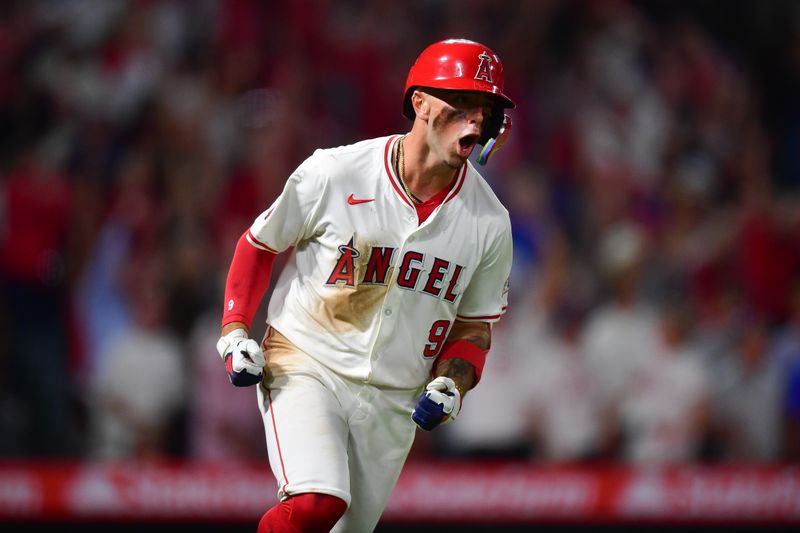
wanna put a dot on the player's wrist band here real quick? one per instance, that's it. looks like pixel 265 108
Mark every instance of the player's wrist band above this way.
pixel 469 352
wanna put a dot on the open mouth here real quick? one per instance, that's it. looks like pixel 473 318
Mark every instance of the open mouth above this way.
pixel 466 144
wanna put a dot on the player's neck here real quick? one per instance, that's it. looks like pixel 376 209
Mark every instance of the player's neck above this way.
pixel 422 173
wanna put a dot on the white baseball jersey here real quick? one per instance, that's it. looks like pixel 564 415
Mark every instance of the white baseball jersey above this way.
pixel 368 291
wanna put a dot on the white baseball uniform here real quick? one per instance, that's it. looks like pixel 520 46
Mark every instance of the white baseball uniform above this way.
pixel 362 308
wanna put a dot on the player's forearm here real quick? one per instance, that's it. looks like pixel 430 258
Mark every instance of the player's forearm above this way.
pixel 465 370
pixel 459 370
pixel 247 282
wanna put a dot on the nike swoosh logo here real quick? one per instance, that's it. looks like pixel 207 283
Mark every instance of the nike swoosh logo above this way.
pixel 353 201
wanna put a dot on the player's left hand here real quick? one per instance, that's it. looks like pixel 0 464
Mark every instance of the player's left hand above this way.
pixel 243 358
pixel 440 402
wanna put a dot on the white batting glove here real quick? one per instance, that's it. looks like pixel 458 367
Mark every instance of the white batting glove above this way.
pixel 441 402
pixel 243 358
pixel 443 390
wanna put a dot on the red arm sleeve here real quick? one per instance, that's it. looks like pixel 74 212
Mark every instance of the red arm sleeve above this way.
pixel 248 280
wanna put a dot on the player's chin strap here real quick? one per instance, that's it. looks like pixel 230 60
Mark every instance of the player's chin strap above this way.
pixel 495 143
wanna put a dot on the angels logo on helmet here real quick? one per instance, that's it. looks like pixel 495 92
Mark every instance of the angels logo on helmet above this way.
pixel 485 68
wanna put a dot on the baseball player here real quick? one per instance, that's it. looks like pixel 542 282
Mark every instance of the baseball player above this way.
pixel 381 320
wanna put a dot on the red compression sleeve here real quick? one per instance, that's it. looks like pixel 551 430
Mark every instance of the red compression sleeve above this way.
pixel 467 351
pixel 248 280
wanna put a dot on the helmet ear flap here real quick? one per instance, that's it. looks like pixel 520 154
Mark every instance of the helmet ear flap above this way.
pixel 491 128
pixel 495 143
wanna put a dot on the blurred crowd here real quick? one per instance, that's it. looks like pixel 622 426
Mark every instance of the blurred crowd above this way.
pixel 653 181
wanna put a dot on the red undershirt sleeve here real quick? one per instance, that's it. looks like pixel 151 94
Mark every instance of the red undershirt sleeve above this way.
pixel 248 280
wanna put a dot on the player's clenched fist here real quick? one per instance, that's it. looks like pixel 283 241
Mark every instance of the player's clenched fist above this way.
pixel 243 358
pixel 440 401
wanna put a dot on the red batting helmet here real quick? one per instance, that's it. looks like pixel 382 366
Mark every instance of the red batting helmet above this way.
pixel 457 64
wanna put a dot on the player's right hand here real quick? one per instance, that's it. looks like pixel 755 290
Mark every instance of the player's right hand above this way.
pixel 243 358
